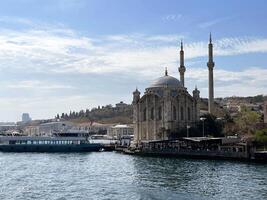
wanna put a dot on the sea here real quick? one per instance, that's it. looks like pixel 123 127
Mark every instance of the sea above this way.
pixel 112 175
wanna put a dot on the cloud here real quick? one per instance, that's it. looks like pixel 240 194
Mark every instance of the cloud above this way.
pixel 172 17
pixel 250 81
pixel 62 50
pixel 37 85
pixel 142 39
pixel 213 22
pixel 133 59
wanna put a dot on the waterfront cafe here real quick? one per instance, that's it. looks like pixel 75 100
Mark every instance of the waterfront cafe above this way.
pixel 196 144
pixel 192 143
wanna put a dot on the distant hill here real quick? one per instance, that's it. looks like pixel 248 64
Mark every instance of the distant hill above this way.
pixel 105 114
pixel 250 99
pixel 218 110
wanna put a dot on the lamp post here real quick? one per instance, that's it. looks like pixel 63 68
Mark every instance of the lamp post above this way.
pixel 203 120
pixel 187 132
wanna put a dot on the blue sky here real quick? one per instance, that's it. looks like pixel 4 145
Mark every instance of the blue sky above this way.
pixel 62 55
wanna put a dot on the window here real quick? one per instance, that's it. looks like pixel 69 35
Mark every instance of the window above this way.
pixel 188 114
pixel 182 113
pixel 160 113
pixel 174 113
pixel 144 114
pixel 152 113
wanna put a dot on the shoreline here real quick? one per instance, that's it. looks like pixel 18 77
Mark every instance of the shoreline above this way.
pixel 188 155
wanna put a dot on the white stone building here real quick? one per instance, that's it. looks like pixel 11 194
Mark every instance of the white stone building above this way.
pixel 166 107
pixel 120 130
pixel 93 127
pixel 54 127
pixel 32 130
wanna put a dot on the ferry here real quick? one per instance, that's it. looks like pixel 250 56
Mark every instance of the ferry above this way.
pixel 47 144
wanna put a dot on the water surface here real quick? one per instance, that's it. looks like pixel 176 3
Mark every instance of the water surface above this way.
pixel 110 175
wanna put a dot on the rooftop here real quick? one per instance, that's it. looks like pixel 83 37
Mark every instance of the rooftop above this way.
pixel 166 81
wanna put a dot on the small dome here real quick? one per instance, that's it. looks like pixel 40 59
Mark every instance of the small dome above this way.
pixel 166 81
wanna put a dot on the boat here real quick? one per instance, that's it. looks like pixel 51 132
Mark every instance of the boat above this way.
pixel 47 144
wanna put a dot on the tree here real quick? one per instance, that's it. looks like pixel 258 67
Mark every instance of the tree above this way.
pixel 229 126
pixel 87 113
pixel 260 136
pixel 81 114
pixel 246 120
pixel 212 125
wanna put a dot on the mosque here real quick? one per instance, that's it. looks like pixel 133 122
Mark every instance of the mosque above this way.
pixel 166 106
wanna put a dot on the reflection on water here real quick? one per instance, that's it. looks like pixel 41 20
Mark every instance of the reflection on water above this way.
pixel 109 175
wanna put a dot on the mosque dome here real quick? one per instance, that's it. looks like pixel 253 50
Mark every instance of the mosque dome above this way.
pixel 166 81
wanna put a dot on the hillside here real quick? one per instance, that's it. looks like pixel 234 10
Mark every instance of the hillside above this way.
pixel 105 114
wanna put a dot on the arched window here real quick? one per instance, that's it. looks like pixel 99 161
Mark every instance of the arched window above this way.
pixel 188 114
pixel 182 113
pixel 152 113
pixel 174 113
pixel 160 113
pixel 144 114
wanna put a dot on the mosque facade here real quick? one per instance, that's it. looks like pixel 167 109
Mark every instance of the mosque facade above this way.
pixel 166 106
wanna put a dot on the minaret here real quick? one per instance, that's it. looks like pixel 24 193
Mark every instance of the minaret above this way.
pixel 210 65
pixel 136 98
pixel 182 67
pixel 196 96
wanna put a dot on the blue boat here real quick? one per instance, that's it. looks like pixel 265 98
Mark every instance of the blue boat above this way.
pixel 47 144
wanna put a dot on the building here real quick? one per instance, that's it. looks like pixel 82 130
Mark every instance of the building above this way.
pixel 54 127
pixel 165 108
pixel 8 126
pixel 31 130
pixel 25 117
pixel 121 105
pixel 265 112
pixel 93 127
pixel 120 130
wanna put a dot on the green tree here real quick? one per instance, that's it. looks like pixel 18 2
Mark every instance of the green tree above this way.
pixel 229 126
pixel 260 136
pixel 212 125
pixel 246 120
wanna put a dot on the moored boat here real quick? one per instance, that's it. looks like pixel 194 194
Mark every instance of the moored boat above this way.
pixel 47 144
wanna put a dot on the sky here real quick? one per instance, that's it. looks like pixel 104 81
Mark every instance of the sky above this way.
pixel 62 55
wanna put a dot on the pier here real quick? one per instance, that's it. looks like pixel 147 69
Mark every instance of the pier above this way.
pixel 203 147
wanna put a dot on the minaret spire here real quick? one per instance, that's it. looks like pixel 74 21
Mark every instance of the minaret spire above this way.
pixel 210 38
pixel 210 65
pixel 182 68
